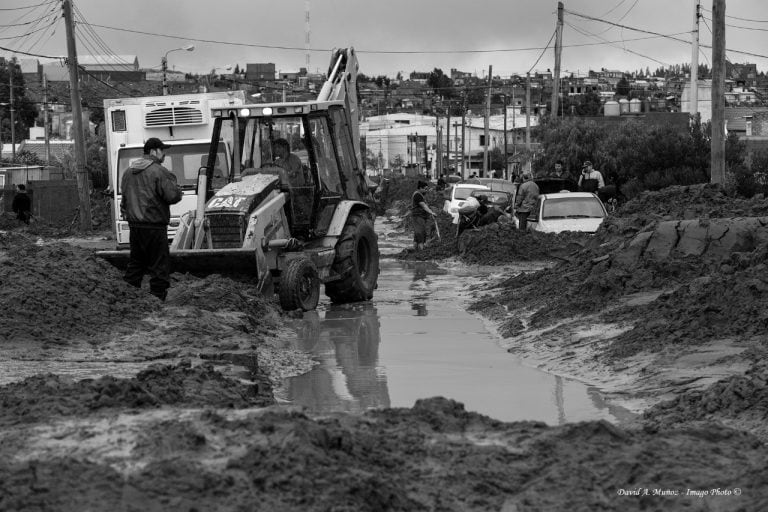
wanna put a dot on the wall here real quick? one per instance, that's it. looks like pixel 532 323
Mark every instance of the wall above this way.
pixel 55 202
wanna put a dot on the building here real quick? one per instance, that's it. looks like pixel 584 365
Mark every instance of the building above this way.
pixel 260 72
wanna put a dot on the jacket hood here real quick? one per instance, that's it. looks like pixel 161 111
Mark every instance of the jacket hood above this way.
pixel 142 163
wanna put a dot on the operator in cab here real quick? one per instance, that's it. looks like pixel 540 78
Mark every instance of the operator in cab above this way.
pixel 290 162
pixel 149 189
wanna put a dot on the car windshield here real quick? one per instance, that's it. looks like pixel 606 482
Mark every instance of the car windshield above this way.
pixel 572 208
pixel 463 192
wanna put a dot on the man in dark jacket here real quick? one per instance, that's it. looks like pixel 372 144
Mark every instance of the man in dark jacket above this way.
pixel 148 191
pixel 527 195
pixel 22 204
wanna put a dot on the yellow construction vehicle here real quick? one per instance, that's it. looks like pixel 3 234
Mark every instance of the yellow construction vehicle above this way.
pixel 295 212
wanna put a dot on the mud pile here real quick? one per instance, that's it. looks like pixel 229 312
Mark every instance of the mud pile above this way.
pixel 693 202
pixel 434 456
pixel 739 401
pixel 48 396
pixel 55 292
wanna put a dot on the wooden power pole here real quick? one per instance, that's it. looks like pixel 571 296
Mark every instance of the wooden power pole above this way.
pixel 718 93
pixel 487 116
pixel 81 172
pixel 695 60
pixel 558 53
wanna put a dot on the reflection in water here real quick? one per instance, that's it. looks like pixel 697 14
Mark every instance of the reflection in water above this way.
pixel 346 343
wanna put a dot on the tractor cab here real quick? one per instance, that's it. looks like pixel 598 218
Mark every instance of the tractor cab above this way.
pixel 307 146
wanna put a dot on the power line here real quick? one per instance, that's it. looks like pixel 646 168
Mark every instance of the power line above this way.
pixel 589 34
pixel 26 7
pixel 736 17
pixel 543 51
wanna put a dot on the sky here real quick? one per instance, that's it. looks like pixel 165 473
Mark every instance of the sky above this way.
pixel 390 36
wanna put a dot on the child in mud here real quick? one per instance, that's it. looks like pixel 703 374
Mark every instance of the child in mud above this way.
pixel 421 214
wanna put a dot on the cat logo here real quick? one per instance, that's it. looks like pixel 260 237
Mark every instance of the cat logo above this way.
pixel 226 202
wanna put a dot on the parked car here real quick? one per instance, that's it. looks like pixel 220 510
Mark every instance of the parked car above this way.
pixel 567 211
pixel 457 195
pixel 496 198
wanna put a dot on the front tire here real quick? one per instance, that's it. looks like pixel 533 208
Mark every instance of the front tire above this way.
pixel 356 261
pixel 299 286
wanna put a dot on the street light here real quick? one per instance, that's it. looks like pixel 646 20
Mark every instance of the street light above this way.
pixel 189 48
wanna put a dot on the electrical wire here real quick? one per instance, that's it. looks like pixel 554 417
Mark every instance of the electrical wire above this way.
pixel 25 7
pixel 585 32
pixel 543 51
pixel 736 17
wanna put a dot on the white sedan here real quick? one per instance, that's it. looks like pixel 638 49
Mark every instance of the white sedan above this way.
pixel 567 211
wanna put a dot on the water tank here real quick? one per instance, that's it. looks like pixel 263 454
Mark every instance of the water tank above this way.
pixel 623 106
pixel 635 106
pixel 611 108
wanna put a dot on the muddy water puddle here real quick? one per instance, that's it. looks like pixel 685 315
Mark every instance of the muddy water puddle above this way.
pixel 415 340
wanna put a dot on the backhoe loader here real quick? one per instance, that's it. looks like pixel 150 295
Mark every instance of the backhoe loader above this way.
pixel 294 220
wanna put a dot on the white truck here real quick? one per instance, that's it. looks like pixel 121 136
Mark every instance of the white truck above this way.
pixel 183 122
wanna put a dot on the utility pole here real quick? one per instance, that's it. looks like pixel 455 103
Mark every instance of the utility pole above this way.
pixel 11 65
pixel 528 111
pixel 695 60
pixel 463 137
pixel 506 165
pixel 558 53
pixel 81 172
pixel 45 122
pixel 487 116
pixel 448 136
pixel 718 92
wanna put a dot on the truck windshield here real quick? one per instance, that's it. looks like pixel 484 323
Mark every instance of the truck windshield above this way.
pixel 183 160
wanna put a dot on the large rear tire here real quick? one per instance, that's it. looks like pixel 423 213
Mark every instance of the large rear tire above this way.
pixel 299 286
pixel 357 262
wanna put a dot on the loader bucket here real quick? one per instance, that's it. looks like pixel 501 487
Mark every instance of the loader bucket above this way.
pixel 198 261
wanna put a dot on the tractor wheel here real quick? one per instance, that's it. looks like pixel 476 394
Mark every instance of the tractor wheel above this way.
pixel 299 286
pixel 357 262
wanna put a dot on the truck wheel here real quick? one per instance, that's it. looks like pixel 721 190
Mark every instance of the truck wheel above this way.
pixel 357 262
pixel 299 286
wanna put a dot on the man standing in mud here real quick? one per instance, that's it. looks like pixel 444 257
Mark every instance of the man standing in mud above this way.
pixel 22 204
pixel 420 214
pixel 527 195
pixel 148 191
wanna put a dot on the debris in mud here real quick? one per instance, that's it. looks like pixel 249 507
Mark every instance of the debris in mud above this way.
pixel 44 397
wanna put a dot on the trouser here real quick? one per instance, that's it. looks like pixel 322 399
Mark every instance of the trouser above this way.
pixel 149 255
pixel 419 229
pixel 523 218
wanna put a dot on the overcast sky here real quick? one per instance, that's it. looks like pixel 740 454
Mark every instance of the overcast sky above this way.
pixel 419 35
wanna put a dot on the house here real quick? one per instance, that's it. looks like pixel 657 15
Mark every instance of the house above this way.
pixel 115 68
pixel 260 72
pixel 421 77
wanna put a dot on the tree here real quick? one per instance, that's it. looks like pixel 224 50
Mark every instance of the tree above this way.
pixel 622 88
pixel 25 112
pixel 440 84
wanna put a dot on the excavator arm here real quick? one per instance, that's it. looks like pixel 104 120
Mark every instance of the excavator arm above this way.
pixel 341 85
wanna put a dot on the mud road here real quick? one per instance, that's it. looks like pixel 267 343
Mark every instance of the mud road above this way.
pixel 678 334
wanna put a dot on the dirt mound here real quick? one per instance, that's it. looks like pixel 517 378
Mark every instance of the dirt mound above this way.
pixel 434 456
pixel 693 202
pixel 741 401
pixel 715 306
pixel 220 293
pixel 59 292
pixel 499 243
pixel 48 396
